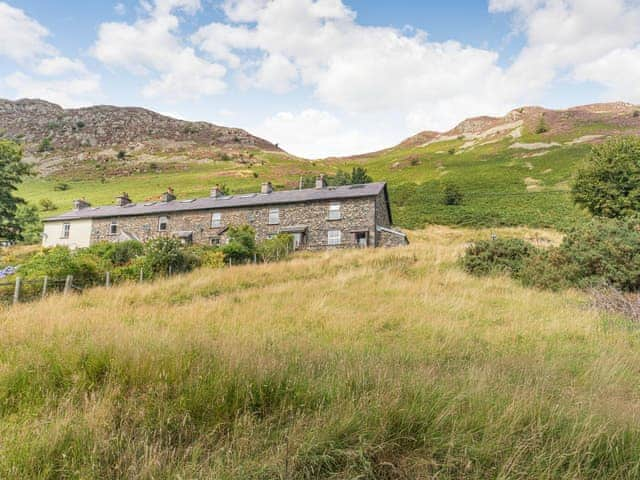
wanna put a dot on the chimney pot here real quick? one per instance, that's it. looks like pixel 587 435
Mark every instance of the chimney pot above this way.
pixel 123 200
pixel 321 182
pixel 266 187
pixel 216 192
pixel 168 196
pixel 80 204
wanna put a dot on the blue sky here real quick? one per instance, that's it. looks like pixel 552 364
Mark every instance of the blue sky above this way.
pixel 322 77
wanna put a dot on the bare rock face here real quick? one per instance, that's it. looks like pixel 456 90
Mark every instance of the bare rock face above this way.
pixel 52 134
pixel 606 118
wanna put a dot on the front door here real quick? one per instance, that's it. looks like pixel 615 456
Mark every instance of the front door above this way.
pixel 361 239
pixel 298 239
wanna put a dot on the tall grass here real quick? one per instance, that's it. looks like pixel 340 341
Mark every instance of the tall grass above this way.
pixel 382 364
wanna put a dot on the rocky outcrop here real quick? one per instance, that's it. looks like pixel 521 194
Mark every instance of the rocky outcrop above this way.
pixel 45 128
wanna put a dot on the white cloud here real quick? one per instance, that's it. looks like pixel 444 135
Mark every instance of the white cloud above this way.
pixel 316 134
pixel 21 37
pixel 355 68
pixel 69 92
pixel 48 75
pixel 584 40
pixel 120 9
pixel 152 47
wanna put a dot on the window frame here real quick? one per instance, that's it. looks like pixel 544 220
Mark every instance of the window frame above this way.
pixel 335 239
pixel 114 222
pixel 166 223
pixel 216 223
pixel 66 230
pixel 276 212
pixel 335 211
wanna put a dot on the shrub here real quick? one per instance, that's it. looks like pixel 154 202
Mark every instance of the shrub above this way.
pixel 275 248
pixel 241 246
pixel 451 195
pixel 118 254
pixel 61 187
pixel 502 255
pixel 80 124
pixel 542 126
pixel 636 113
pixel 45 145
pixel 87 269
pixel 47 205
pixel 167 255
pixel 212 259
pixel 451 151
pixel 131 271
pixel 608 184
pixel 122 155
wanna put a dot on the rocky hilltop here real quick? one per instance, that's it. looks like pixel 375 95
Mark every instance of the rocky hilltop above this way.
pixel 587 123
pixel 54 137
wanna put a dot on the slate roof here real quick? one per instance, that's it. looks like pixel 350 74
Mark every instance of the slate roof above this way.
pixel 231 201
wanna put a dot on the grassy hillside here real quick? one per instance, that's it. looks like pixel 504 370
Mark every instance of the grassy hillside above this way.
pixel 514 170
pixel 355 364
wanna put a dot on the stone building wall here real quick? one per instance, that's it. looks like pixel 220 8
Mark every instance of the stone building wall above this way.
pixel 357 214
pixel 382 215
pixel 387 239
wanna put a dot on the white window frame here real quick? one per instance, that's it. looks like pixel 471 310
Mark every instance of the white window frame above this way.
pixel 114 223
pixel 274 216
pixel 166 223
pixel 335 211
pixel 334 237
pixel 216 219
pixel 66 230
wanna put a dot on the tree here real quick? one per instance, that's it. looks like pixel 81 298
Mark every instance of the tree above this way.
pixel 608 184
pixel 451 195
pixel 242 244
pixel 359 175
pixel 29 220
pixel 47 205
pixel 542 126
pixel 12 171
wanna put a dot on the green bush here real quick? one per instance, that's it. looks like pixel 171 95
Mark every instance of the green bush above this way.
pixel 275 248
pixel 119 253
pixel 502 255
pixel 241 246
pixel 47 205
pixel 167 255
pixel 451 195
pixel 131 271
pixel 608 184
pixel 58 262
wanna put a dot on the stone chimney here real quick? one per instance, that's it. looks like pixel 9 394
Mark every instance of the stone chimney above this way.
pixel 216 192
pixel 168 196
pixel 266 187
pixel 321 182
pixel 80 204
pixel 123 200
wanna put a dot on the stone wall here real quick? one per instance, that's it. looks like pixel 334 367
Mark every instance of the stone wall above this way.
pixel 356 215
pixel 382 215
pixel 388 239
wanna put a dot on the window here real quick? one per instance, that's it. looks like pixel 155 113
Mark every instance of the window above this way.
pixel 216 220
pixel 274 216
pixel 66 228
pixel 334 211
pixel 214 241
pixel 113 227
pixel 334 237
pixel 163 224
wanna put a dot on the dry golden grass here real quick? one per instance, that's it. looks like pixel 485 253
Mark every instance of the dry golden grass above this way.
pixel 351 364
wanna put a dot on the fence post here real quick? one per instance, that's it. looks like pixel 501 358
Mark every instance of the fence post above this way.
pixel 16 292
pixel 255 257
pixel 170 270
pixel 141 275
pixel 45 285
pixel 67 284
pixel 107 281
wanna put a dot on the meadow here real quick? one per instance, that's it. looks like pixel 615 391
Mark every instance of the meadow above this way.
pixel 385 364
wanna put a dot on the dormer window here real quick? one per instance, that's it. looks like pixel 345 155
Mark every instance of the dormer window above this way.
pixel 113 227
pixel 335 212
pixel 163 224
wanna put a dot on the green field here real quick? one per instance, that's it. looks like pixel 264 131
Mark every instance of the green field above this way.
pixel 501 186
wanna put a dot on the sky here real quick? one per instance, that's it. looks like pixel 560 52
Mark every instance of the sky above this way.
pixel 322 77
